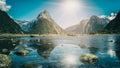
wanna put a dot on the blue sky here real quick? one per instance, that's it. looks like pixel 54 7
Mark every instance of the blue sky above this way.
pixel 64 12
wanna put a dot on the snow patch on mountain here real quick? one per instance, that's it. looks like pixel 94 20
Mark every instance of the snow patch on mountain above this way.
pixel 110 17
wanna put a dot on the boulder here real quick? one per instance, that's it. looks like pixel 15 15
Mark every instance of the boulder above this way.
pixel 88 58
pixel 22 52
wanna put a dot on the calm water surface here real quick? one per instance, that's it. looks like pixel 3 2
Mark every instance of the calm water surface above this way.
pixel 65 52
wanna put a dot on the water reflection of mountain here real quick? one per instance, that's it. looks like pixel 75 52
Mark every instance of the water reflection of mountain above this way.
pixel 44 48
pixel 7 44
pixel 117 49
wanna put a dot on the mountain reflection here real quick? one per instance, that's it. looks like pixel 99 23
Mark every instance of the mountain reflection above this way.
pixel 44 47
pixel 117 48
pixel 7 44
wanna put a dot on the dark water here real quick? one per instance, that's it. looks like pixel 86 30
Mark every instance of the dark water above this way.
pixel 65 52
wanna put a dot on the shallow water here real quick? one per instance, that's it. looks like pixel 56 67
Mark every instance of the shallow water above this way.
pixel 65 52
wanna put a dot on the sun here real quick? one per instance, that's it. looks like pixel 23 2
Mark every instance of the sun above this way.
pixel 70 12
pixel 70 5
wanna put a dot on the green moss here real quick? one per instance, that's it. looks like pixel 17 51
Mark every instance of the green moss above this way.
pixel 5 61
pixel 88 58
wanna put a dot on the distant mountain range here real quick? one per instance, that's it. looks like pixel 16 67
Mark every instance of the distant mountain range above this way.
pixel 8 25
pixel 44 24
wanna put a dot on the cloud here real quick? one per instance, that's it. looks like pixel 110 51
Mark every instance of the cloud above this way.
pixel 4 6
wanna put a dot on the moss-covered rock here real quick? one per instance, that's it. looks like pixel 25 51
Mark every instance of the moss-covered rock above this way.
pixel 88 58
pixel 5 61
pixel 22 52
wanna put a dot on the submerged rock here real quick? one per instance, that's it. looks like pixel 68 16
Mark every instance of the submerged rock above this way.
pixel 4 51
pixel 111 40
pixel 22 52
pixel 5 61
pixel 28 66
pixel 45 48
pixel 88 58
pixel 7 44
pixel 93 50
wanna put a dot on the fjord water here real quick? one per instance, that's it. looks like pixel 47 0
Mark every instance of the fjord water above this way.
pixel 65 52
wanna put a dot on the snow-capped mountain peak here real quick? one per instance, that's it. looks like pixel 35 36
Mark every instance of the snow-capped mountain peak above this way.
pixel 112 16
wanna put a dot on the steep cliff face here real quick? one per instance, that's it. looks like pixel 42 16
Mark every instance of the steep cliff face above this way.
pixel 93 25
pixel 46 25
pixel 114 25
pixel 96 24
pixel 8 25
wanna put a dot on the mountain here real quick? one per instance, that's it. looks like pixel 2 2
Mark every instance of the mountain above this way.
pixel 26 25
pixel 114 25
pixel 46 25
pixel 96 24
pixel 77 29
pixel 110 17
pixel 8 25
pixel 93 25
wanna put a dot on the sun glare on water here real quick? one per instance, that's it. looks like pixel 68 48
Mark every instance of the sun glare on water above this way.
pixel 71 59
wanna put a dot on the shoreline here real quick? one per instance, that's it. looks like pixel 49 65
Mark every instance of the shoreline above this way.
pixel 62 35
